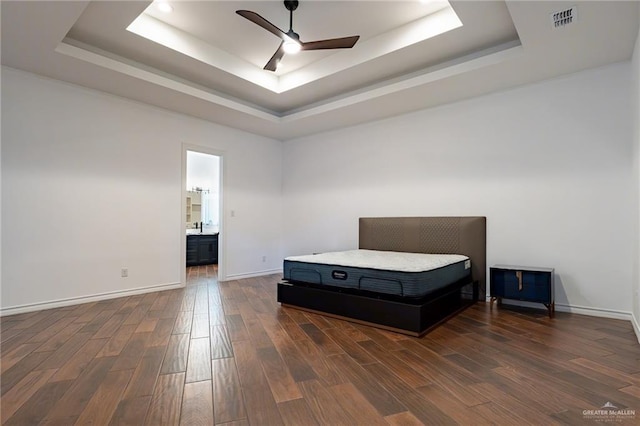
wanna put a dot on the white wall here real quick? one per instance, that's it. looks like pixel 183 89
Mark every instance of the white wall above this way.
pixel 81 168
pixel 635 119
pixel 548 164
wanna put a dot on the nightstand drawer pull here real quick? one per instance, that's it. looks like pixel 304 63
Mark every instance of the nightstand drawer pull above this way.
pixel 519 276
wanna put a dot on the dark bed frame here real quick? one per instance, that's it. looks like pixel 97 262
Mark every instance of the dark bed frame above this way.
pixel 441 235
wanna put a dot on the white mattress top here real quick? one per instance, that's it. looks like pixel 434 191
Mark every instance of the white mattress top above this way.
pixel 387 260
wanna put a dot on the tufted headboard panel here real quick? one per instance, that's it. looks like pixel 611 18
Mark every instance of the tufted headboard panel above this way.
pixel 441 235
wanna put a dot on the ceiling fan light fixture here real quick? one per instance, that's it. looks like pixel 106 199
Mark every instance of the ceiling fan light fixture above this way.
pixel 291 47
pixel 165 7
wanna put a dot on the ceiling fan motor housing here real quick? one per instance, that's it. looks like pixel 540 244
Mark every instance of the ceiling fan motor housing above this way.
pixel 291 4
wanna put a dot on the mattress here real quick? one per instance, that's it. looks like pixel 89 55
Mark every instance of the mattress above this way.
pixel 387 272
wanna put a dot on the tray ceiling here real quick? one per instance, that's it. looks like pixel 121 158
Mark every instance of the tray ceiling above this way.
pixel 205 60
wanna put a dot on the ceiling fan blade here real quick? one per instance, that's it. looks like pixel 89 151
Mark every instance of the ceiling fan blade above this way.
pixel 334 43
pixel 259 20
pixel 273 62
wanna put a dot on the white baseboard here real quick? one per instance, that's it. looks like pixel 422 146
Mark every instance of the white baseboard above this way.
pixel 231 277
pixel 636 326
pixel 21 309
pixel 574 309
pixel 595 312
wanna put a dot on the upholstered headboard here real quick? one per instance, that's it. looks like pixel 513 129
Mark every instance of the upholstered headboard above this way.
pixel 442 235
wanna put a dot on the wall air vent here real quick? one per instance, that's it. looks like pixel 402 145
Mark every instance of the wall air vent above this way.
pixel 564 17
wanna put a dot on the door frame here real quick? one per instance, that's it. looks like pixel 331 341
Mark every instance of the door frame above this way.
pixel 222 258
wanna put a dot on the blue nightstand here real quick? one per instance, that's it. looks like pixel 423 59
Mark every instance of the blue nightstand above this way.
pixel 524 283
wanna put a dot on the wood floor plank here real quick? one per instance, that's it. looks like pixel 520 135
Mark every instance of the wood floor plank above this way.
pixel 632 390
pixel 147 325
pixel 522 384
pixel 242 422
pixel 324 342
pixel 22 391
pixel 599 376
pixel 61 338
pixel 166 401
pixel 282 385
pixel 368 385
pixel 183 323
pixel 200 325
pixel 236 328
pixel 296 412
pixel 509 403
pixel 401 369
pixel 145 375
pixel 448 375
pixel 130 304
pixel 290 326
pixel 228 400
pixel 131 412
pixel 162 332
pixel 105 400
pixel 132 352
pixel 96 323
pixel 318 320
pixel 77 397
pixel 40 320
pixel 628 365
pixel 199 361
pixel 405 419
pixel 405 397
pixel 453 407
pixel 379 337
pixel 110 326
pixel 323 405
pixel 220 342
pixel 52 330
pixel 295 361
pixel 355 351
pixel 197 404
pixel 216 315
pixel 160 303
pixel 175 360
pixel 18 371
pixel 256 331
pixel 60 356
pixel 34 410
pixel 118 341
pixel 259 403
pixel 9 340
pixel 137 315
pixel 189 299
pixel 87 312
pixel 75 365
pixel 16 355
pixel 491 410
pixel 356 405
pixel 322 366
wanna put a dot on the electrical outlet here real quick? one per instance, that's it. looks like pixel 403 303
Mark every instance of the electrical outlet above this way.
pixel 264 258
pixel 124 272
pixel 233 213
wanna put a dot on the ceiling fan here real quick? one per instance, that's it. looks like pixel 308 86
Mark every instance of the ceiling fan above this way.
pixel 291 42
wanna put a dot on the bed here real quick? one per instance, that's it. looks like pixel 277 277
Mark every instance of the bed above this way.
pixel 405 297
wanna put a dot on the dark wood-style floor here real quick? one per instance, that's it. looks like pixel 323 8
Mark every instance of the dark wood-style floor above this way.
pixel 227 353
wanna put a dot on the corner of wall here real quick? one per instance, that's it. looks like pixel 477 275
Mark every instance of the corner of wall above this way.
pixel 636 325
pixel 635 69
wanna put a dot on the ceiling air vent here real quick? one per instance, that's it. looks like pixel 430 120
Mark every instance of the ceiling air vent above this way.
pixel 564 17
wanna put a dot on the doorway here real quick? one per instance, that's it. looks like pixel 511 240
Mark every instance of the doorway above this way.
pixel 202 224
